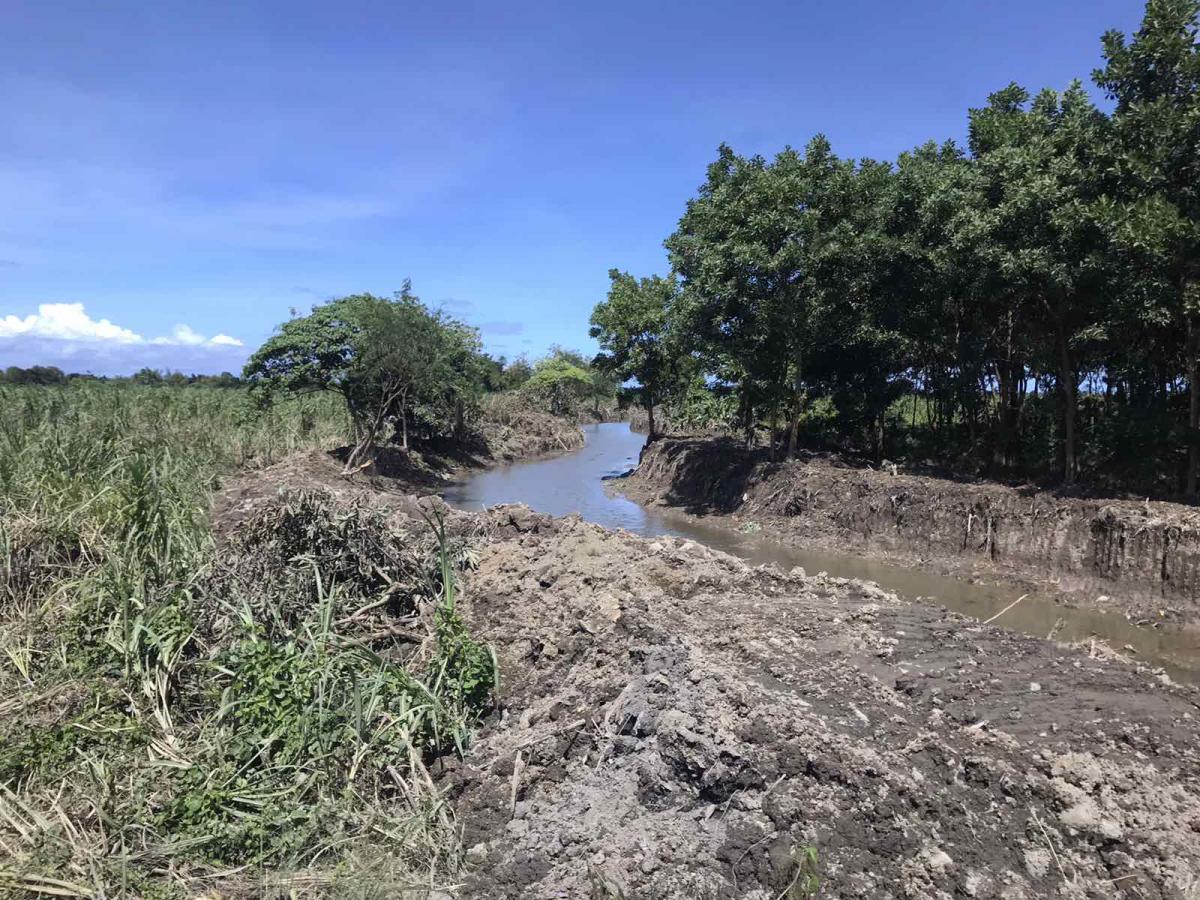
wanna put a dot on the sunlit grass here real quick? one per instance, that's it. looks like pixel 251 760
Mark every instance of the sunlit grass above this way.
pixel 176 719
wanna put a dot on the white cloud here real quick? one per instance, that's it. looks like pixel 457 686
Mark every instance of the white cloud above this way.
pixel 182 335
pixel 70 322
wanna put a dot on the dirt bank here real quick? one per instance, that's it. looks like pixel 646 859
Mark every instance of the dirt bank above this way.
pixel 678 724
pixel 673 723
pixel 1137 556
pixel 505 435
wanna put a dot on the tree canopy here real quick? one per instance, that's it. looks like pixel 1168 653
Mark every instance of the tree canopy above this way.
pixel 631 328
pixel 393 360
pixel 1024 305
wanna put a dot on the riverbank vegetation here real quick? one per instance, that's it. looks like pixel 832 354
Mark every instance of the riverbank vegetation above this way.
pixel 252 709
pixel 402 368
pixel 1027 305
pixel 181 714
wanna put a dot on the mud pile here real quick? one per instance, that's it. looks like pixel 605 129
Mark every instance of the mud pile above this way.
pixel 512 430
pixel 678 724
pixel 1148 554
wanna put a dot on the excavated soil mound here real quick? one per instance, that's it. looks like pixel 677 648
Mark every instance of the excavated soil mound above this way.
pixel 512 431
pixel 518 434
pixel 1146 554
pixel 678 724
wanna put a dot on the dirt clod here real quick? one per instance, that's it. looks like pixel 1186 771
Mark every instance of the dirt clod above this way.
pixel 702 724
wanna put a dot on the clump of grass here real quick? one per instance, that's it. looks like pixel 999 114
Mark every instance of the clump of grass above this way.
pixel 180 717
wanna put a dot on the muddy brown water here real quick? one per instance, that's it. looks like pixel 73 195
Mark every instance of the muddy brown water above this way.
pixel 575 483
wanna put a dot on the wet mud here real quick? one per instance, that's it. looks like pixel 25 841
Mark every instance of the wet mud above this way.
pixel 677 723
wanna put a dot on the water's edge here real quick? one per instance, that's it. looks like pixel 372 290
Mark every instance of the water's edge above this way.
pixel 587 482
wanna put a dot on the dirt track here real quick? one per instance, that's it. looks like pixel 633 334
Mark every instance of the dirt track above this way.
pixel 680 725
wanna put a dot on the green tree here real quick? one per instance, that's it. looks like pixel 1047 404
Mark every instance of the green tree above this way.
pixel 147 376
pixel 630 326
pixel 515 373
pixel 459 373
pixel 561 383
pixel 381 356
pixel 855 300
pixel 1155 80
pixel 739 251
pixel 1044 166
pixel 936 222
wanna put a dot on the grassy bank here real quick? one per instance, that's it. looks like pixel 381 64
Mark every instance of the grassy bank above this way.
pixel 178 717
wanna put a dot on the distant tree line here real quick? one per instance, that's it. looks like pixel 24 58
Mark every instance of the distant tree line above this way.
pixel 53 375
pixel 1028 305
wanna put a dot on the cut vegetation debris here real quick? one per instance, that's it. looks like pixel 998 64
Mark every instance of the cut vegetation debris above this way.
pixel 182 715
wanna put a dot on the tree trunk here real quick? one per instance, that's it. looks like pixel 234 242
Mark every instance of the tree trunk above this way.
pixel 1066 378
pixel 1193 364
pixel 650 421
pixel 774 426
pixel 403 425
pixel 1000 453
pixel 748 412
pixel 798 408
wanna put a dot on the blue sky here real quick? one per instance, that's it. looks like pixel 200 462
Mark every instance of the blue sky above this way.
pixel 174 173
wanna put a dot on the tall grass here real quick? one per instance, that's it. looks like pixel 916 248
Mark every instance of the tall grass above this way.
pixel 176 720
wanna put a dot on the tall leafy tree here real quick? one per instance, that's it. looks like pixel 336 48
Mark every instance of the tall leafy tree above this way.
pixel 631 328
pixel 1155 79
pixel 1045 168
pixel 740 252
pixel 380 355
pixel 855 298
pixel 938 225
pixel 561 382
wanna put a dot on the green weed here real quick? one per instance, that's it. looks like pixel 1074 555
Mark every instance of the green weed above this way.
pixel 179 718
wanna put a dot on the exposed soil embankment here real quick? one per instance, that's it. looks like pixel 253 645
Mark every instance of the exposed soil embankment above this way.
pixel 678 724
pixel 1144 556
pixel 674 723
pixel 505 436
pixel 514 434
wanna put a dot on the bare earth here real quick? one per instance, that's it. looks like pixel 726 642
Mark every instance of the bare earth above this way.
pixel 675 723
pixel 1135 556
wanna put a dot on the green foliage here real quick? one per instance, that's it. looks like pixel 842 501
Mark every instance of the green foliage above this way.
pixel 50 753
pixel 393 362
pixel 190 710
pixel 1005 289
pixel 564 382
pixel 631 328
pixel 33 375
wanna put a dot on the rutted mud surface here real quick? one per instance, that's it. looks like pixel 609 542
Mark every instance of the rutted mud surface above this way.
pixel 678 724
pixel 1144 555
